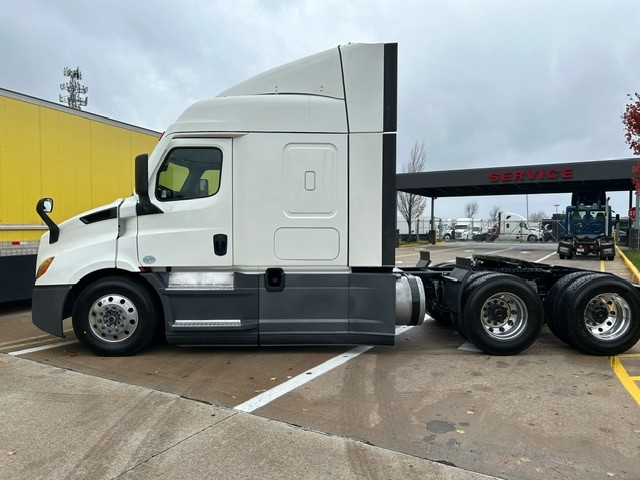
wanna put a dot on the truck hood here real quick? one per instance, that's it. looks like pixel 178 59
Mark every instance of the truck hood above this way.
pixel 101 220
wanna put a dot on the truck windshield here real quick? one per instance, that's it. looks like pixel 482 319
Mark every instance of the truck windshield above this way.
pixel 188 173
pixel 586 221
pixel 588 216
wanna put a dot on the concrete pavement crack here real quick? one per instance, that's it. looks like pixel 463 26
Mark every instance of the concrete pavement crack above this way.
pixel 188 437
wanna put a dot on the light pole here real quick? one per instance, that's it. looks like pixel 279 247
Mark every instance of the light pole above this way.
pixel 556 205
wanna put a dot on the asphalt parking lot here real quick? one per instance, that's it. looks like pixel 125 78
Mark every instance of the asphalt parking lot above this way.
pixel 429 407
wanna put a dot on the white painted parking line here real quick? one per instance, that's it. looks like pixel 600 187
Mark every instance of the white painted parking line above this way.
pixel 545 257
pixel 43 347
pixel 270 395
pixel 27 340
pixel 498 251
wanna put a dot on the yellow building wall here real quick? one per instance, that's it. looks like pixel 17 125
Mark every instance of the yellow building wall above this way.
pixel 79 162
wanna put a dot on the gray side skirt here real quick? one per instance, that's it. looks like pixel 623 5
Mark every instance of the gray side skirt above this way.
pixel 310 309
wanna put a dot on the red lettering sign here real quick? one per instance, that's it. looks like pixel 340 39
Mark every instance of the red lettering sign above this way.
pixel 531 175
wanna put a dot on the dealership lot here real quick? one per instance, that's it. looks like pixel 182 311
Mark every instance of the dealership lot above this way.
pixel 550 412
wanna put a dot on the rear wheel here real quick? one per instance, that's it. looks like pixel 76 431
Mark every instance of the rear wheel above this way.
pixel 473 281
pixel 114 316
pixel 603 314
pixel 553 301
pixel 502 314
pixel 441 316
pixel 434 309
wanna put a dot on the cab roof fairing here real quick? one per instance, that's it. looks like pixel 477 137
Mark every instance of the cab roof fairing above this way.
pixel 312 94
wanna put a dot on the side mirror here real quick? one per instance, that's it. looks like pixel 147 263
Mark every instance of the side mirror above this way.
pixel 144 206
pixel 203 188
pixel 47 205
pixel 43 207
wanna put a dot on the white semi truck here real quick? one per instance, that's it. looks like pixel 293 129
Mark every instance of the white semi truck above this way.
pixel 512 226
pixel 266 216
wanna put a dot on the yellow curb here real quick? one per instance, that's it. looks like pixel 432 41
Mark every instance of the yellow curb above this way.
pixel 630 266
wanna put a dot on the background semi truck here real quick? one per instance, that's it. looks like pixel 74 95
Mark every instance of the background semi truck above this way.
pixel 588 225
pixel 82 159
pixel 266 216
pixel 513 226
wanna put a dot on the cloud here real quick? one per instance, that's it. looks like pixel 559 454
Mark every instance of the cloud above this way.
pixel 481 83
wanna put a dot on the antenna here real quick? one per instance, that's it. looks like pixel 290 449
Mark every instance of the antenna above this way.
pixel 74 89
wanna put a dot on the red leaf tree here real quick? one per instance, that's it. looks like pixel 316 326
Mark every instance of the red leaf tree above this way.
pixel 631 122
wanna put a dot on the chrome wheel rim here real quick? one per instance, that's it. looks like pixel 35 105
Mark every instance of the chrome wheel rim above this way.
pixel 113 318
pixel 607 316
pixel 504 316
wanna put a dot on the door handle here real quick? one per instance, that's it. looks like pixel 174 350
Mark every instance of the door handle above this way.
pixel 220 244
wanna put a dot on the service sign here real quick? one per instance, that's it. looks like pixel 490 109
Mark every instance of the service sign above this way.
pixel 531 175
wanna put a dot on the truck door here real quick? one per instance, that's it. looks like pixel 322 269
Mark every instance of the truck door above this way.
pixel 193 188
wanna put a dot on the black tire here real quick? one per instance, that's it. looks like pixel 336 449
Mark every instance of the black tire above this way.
pixel 603 314
pixel 562 256
pixel 441 316
pixel 434 309
pixel 552 302
pixel 114 316
pixel 473 281
pixel 502 315
pixel 532 238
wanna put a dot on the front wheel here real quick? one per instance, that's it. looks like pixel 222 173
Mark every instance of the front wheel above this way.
pixel 532 238
pixel 502 315
pixel 114 316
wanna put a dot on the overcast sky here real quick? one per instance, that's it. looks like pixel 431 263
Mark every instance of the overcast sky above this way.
pixel 481 83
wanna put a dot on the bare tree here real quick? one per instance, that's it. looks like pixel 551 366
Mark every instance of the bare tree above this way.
pixel 410 205
pixel 494 213
pixel 471 208
pixel 537 217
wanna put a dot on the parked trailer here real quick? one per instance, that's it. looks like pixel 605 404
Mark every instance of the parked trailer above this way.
pixel 266 216
pixel 83 159
pixel 17 264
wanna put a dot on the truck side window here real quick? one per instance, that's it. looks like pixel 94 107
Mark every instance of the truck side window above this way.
pixel 188 173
